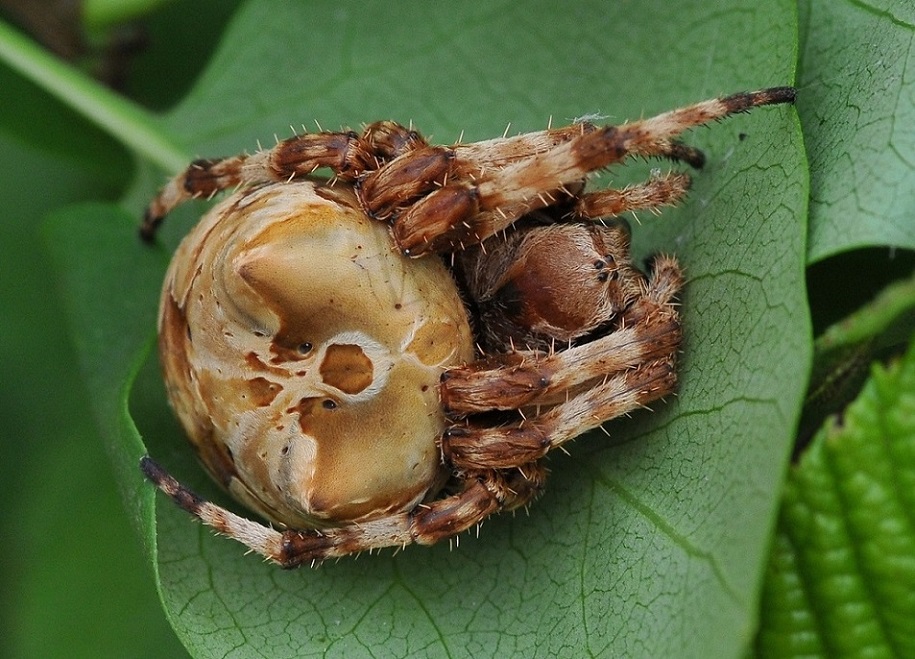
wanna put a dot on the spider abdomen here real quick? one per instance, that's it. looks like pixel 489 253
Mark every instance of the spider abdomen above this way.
pixel 302 353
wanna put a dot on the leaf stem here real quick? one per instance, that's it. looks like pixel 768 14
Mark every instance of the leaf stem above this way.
pixel 893 305
pixel 102 14
pixel 125 121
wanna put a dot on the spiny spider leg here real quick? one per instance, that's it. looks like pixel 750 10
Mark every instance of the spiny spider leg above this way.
pixel 641 372
pixel 650 331
pixel 390 190
pixel 520 379
pixel 396 167
pixel 481 446
pixel 476 158
pixel 464 212
pixel 659 190
pixel 484 493
pixel 346 153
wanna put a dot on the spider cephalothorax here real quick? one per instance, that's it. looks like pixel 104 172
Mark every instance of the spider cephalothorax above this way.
pixel 386 356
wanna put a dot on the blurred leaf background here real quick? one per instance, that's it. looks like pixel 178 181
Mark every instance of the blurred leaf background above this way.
pixel 75 578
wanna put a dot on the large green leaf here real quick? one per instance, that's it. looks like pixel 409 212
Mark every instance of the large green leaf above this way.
pixel 70 560
pixel 651 543
pixel 857 105
pixel 841 580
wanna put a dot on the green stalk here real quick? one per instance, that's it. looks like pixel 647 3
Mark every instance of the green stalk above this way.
pixel 102 14
pixel 124 120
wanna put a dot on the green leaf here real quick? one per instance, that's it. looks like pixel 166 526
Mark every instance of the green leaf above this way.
pixel 857 104
pixel 103 107
pixel 841 581
pixel 108 302
pixel 106 14
pixel 649 543
pixel 886 320
pixel 844 350
pixel 66 540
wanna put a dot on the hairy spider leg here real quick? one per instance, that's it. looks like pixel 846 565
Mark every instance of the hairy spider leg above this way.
pixel 354 157
pixel 347 154
pixel 640 372
pixel 659 190
pixel 473 445
pixel 484 493
pixel 464 212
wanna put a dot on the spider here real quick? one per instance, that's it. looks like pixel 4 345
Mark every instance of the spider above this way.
pixel 386 355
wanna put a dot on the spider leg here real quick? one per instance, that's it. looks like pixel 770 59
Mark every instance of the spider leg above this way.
pixel 483 493
pixel 603 379
pixel 467 211
pixel 653 136
pixel 347 154
pixel 526 378
pixel 659 190
pixel 481 446
pixel 478 157
pixel 680 152
pixel 390 190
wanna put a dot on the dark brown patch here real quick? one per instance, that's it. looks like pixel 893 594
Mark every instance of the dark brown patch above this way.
pixel 744 101
pixel 347 368
pixel 447 517
pixel 388 139
pixel 262 391
pixel 685 153
pixel 206 177
pixel 308 409
pixel 438 220
pixel 174 337
pixel 181 495
pixel 596 150
pixel 500 447
pixel 255 363
pixel 404 180
pixel 472 388
pixel 287 348
pixel 303 154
